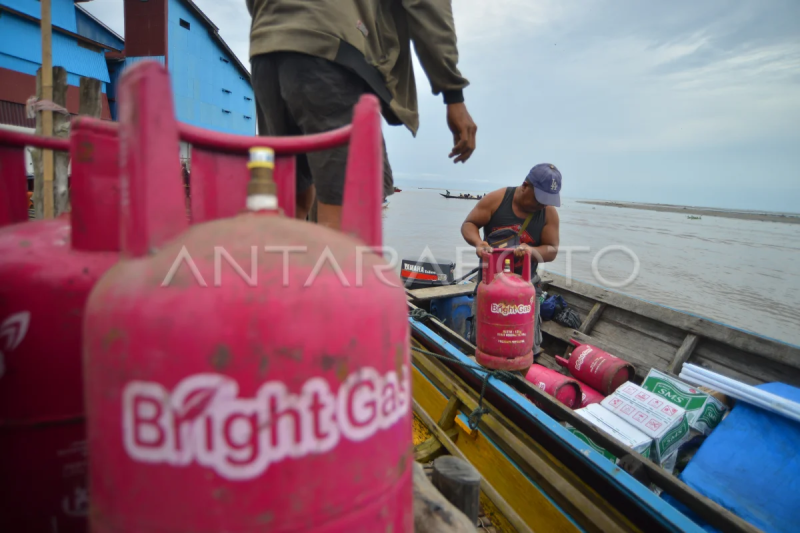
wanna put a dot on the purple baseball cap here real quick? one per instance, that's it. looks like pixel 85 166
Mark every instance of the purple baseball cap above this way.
pixel 546 181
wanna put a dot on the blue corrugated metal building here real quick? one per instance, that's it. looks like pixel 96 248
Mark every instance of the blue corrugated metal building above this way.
pixel 211 87
pixel 80 43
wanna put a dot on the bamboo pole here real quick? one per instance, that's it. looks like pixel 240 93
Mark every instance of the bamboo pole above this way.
pixel 47 116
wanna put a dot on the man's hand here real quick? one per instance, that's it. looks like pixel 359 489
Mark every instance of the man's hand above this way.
pixel 483 249
pixel 522 250
pixel 464 129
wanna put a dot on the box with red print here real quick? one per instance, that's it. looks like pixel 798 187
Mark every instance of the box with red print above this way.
pixel 654 416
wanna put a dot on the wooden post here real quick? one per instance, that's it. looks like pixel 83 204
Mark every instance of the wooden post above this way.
pixel 460 483
pixel 61 125
pixel 59 162
pixel 47 116
pixel 91 103
pixel 432 512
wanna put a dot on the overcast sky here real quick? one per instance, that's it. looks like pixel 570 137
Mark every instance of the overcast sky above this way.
pixel 687 102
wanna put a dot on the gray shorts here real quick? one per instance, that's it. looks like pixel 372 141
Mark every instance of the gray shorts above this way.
pixel 300 94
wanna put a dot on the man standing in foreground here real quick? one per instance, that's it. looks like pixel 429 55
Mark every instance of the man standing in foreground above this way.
pixel 524 218
pixel 312 61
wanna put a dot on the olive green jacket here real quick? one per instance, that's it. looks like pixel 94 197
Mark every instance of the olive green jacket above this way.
pixel 372 37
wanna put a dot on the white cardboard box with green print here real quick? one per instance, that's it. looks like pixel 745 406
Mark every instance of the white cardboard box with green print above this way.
pixel 653 415
pixel 703 412
pixel 613 426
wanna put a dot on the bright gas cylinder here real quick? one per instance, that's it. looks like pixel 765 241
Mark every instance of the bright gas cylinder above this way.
pixel 47 268
pixel 250 375
pixel 505 316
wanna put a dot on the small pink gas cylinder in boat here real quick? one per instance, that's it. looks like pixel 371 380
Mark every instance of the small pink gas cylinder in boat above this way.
pixel 250 373
pixel 589 395
pixel 597 368
pixel 47 268
pixel 505 308
pixel 562 388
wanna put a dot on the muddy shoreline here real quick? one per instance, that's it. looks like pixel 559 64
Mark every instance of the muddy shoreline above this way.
pixel 700 211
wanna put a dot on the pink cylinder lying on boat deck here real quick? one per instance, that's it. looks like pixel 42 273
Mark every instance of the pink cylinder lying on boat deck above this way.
pixel 564 389
pixel 589 395
pixel 597 368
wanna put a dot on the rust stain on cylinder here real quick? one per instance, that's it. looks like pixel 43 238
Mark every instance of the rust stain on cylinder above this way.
pixel 221 357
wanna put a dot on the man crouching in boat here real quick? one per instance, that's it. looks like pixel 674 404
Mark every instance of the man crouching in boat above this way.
pixel 524 218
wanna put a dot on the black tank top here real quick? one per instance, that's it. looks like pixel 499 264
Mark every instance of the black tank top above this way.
pixel 504 224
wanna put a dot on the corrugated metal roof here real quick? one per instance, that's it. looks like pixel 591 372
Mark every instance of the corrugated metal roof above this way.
pixel 14 115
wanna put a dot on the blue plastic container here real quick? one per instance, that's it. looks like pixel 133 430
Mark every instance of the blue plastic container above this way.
pixel 456 313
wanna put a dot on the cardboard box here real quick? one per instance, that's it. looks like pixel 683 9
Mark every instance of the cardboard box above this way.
pixel 653 415
pixel 703 412
pixel 613 426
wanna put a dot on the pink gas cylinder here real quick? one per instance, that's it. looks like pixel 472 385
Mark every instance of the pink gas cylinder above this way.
pixel 47 268
pixel 597 368
pixel 250 373
pixel 589 395
pixel 506 312
pixel 561 387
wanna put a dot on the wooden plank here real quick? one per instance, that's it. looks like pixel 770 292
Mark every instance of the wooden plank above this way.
pixel 709 353
pixel 508 511
pixel 707 509
pixel 669 335
pixel 531 503
pixel 582 503
pixel 641 364
pixel 683 353
pixel 447 291
pixel 448 418
pixel 592 318
pixel 764 347
pixel 429 450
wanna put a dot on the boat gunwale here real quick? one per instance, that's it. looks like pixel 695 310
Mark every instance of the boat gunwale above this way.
pixel 707 509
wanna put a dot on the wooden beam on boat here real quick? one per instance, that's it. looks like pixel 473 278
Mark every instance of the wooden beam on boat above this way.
pixel 447 291
pixel 510 514
pixel 683 353
pixel 767 348
pixel 592 318
pixel 430 449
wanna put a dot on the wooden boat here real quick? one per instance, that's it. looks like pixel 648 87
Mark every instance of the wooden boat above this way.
pixel 461 197
pixel 536 475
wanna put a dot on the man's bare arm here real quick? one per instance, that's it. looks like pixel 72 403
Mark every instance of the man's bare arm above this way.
pixel 479 217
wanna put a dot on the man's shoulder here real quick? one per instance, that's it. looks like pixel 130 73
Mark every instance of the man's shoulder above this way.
pixel 550 214
pixel 497 193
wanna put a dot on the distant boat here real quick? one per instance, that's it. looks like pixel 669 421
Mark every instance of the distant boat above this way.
pixel 462 197
pixel 692 217
pixel 398 190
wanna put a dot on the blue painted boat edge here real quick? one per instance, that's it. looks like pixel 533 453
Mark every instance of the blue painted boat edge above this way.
pixel 659 508
pixel 760 336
